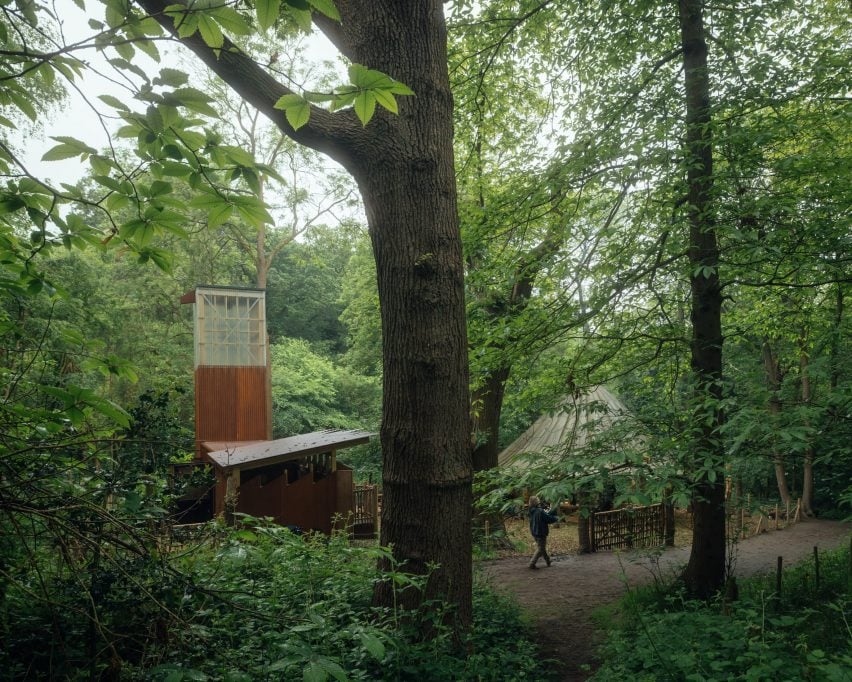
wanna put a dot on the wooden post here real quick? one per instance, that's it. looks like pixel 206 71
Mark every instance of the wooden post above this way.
pixel 776 517
pixel 816 566
pixel 759 524
pixel 778 578
pixel 787 515
pixel 742 521
pixel 593 545
pixel 798 510
pixel 232 494
pixel 375 505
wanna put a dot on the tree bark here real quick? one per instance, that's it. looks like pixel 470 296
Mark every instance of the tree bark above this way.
pixel 837 335
pixel 705 573
pixel 403 165
pixel 489 396
pixel 808 460
pixel 773 380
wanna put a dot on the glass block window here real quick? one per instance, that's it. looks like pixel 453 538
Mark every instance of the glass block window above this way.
pixel 230 327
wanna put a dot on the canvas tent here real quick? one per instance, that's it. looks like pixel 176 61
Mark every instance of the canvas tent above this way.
pixel 570 426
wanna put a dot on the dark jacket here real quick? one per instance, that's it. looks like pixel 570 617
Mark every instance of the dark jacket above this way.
pixel 540 521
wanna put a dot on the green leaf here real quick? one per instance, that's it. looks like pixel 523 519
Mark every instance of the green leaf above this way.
pixel 302 17
pixel 314 672
pixel 99 164
pixel 60 152
pixel 126 50
pixel 187 24
pixel 333 669
pixel 114 102
pixel 116 12
pixel 387 100
pixel 252 209
pixel 219 215
pixel 239 156
pixel 365 106
pixel 172 77
pixel 343 99
pixel 231 20
pixel 210 31
pixel 162 259
pixel 366 79
pixel 267 12
pixel 159 187
pixel 326 7
pixel 194 99
pixel 401 89
pixel 373 645
pixel 296 108
pixel 23 103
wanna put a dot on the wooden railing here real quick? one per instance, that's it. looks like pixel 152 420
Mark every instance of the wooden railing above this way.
pixel 366 511
pixel 628 528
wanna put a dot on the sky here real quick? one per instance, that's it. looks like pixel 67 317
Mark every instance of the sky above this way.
pixel 75 116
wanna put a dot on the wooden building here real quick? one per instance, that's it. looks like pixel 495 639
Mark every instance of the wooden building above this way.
pixel 297 481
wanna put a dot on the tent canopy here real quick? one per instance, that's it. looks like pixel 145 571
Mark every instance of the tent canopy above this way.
pixel 570 426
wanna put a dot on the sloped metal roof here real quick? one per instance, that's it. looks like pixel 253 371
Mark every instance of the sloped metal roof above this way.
pixel 252 454
pixel 570 426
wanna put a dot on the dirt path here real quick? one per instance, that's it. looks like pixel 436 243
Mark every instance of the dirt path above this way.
pixel 562 598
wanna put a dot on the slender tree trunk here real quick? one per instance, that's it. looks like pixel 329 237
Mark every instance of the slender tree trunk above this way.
pixel 837 335
pixel 489 397
pixel 488 401
pixel 705 573
pixel 808 461
pixel 773 380
pixel 584 527
pixel 262 265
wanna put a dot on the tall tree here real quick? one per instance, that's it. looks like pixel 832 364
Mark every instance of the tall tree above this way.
pixel 403 166
pixel 705 572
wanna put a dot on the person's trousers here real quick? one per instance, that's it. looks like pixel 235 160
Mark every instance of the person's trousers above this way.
pixel 540 552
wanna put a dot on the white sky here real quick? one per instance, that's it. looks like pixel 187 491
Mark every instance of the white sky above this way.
pixel 74 117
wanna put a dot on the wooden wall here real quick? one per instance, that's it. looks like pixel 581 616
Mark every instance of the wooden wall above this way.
pixel 231 404
pixel 306 503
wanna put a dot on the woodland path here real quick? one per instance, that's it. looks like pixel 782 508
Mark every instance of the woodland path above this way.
pixel 561 598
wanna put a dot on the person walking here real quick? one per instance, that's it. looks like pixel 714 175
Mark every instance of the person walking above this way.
pixel 540 520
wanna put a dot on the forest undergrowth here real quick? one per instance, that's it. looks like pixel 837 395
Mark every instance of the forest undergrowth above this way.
pixel 256 603
pixel 800 633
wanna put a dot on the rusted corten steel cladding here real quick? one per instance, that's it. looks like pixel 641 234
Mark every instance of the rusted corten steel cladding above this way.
pixel 230 404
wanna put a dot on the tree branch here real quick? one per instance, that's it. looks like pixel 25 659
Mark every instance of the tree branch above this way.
pixel 334 134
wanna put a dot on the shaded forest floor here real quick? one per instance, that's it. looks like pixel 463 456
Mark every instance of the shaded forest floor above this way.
pixel 561 599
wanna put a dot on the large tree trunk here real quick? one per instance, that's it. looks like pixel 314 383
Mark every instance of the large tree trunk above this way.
pixel 705 573
pixel 409 193
pixel 773 379
pixel 404 168
pixel 426 456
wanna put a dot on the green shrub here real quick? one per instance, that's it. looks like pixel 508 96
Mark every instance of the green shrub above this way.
pixel 804 635
pixel 257 603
